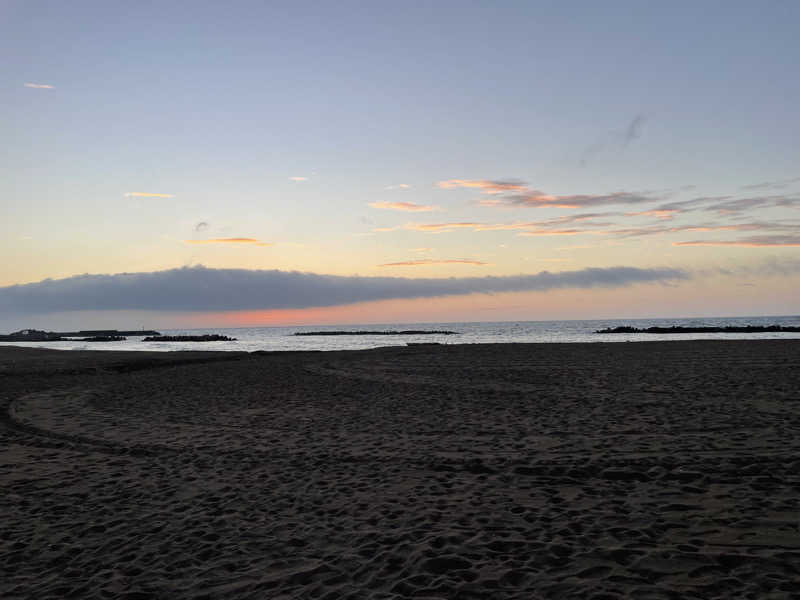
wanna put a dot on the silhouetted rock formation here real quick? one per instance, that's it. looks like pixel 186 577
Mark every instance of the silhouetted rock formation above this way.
pixel 407 332
pixel 31 335
pixel 728 329
pixel 208 337
pixel 89 335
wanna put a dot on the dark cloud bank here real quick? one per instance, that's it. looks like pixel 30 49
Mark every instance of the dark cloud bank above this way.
pixel 203 289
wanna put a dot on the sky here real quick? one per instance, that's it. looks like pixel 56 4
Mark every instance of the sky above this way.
pixel 199 164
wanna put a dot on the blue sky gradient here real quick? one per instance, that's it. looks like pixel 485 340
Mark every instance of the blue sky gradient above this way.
pixel 313 128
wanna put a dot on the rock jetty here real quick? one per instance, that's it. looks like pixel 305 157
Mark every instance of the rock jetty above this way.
pixel 727 329
pixel 208 337
pixel 87 335
pixel 31 335
pixel 406 332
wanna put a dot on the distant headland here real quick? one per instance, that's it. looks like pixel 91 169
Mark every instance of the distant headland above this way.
pixel 406 332
pixel 727 329
pixel 89 335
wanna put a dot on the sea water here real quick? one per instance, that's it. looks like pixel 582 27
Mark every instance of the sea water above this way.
pixel 249 339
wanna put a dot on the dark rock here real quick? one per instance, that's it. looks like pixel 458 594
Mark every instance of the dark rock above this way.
pixel 208 337
pixel 727 329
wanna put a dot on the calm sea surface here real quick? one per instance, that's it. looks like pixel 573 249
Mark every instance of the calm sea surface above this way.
pixel 281 338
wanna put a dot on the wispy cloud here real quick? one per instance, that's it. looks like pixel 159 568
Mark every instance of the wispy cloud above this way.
pixel 537 199
pixel 702 227
pixel 442 226
pixel 754 241
pixel 431 227
pixel 664 214
pixel 546 232
pixel 587 218
pixel 771 185
pixel 399 186
pixel 634 130
pixel 518 194
pixel 590 224
pixel 488 186
pixel 203 289
pixel 39 86
pixel 231 240
pixel 404 206
pixel 614 140
pixel 727 205
pixel 740 205
pixel 631 232
pixel 421 250
pixel 201 226
pixel 515 193
pixel 423 262
pixel 147 195
pixel 614 223
pixel 298 178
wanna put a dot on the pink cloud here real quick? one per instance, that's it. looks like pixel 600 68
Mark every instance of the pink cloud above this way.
pixel 404 206
pixel 231 240
pixel 486 185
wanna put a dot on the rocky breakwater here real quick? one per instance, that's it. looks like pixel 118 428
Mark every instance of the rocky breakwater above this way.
pixel 90 335
pixel 208 337
pixel 727 329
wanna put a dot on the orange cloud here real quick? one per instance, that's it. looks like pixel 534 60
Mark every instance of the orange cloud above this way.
pixel 557 232
pixel 431 261
pixel 488 186
pixel 536 198
pixel 148 195
pixel 441 227
pixel 538 226
pixel 233 240
pixel 406 206
pixel 663 213
pixel 504 226
pixel 295 178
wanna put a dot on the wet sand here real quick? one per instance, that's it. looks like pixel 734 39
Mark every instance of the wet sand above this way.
pixel 625 470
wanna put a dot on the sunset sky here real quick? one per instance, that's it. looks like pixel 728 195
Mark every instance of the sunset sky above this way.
pixel 230 164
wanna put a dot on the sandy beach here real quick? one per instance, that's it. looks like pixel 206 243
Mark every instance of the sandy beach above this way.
pixel 626 470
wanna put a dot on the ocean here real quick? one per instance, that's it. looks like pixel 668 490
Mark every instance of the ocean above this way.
pixel 250 339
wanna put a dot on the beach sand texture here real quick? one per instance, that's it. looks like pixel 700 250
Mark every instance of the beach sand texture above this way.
pixel 627 470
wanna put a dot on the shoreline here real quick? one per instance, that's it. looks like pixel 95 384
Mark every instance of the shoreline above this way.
pixel 662 468
pixel 202 347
